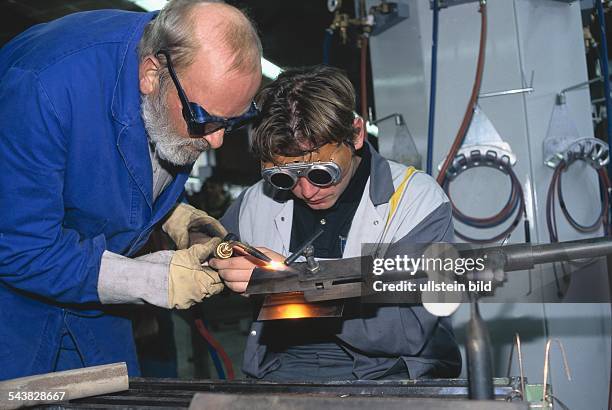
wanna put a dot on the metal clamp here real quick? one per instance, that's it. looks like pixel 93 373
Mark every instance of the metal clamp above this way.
pixel 311 262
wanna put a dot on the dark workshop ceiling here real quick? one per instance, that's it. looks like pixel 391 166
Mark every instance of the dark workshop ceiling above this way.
pixel 291 30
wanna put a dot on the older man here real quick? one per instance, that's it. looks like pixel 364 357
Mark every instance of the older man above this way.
pixel 103 114
pixel 319 172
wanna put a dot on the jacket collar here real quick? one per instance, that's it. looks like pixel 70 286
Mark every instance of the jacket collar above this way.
pixel 125 106
pixel 381 180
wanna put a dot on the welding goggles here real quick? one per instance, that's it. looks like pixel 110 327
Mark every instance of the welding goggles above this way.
pixel 322 167
pixel 199 122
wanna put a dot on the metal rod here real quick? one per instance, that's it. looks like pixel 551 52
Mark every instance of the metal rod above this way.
pixel 527 88
pixel 478 349
pixel 580 85
pixel 432 89
pixel 526 256
pixel 598 100
pixel 506 92
pixel 394 115
pixel 546 364
pixel 292 258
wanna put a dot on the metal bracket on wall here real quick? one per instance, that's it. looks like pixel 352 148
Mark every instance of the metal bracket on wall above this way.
pixel 482 145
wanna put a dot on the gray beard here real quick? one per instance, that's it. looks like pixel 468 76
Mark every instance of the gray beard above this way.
pixel 169 145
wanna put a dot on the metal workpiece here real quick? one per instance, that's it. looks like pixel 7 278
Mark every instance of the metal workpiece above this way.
pixel 344 278
pixel 69 385
pixel 334 279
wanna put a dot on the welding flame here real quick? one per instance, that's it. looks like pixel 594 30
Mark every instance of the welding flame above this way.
pixel 275 265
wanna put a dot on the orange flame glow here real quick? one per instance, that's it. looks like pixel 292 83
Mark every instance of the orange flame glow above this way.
pixel 275 265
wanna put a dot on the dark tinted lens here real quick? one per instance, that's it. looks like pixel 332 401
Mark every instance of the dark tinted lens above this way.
pixel 320 177
pixel 238 123
pixel 281 180
pixel 199 130
pixel 213 126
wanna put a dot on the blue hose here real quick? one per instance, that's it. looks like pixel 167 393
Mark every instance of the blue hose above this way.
pixel 329 33
pixel 605 73
pixel 215 358
pixel 432 89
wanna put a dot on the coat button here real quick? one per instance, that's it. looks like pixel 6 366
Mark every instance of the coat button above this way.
pixel 376 222
pixel 282 218
pixel 253 333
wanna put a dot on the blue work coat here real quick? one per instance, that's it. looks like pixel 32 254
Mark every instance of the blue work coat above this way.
pixel 75 180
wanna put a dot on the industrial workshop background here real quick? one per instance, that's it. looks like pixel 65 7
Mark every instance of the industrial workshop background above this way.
pixel 536 52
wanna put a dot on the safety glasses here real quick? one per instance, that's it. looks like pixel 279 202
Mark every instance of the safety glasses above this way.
pixel 319 174
pixel 322 167
pixel 199 121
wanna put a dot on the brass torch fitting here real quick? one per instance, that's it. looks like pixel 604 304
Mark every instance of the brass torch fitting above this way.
pixel 224 250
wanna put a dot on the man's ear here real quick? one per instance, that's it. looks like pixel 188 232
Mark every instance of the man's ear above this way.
pixel 359 124
pixel 148 75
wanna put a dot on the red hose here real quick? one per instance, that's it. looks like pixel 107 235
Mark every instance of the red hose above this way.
pixel 229 368
pixel 469 112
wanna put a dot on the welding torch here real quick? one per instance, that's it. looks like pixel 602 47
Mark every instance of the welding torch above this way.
pixel 225 249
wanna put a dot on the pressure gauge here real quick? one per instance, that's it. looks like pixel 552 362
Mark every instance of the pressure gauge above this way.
pixel 333 5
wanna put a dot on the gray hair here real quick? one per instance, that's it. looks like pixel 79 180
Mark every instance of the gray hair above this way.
pixel 172 30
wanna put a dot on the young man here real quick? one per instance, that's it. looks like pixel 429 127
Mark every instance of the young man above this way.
pixel 307 119
pixel 103 113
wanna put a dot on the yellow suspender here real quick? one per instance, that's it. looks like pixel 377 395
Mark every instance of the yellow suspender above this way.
pixel 397 195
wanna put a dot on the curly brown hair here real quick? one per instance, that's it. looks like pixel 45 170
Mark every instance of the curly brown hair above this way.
pixel 303 109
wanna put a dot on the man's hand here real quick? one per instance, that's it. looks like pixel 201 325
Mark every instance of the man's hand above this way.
pixel 189 282
pixel 237 271
pixel 185 218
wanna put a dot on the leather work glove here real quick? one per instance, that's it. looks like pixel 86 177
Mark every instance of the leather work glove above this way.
pixel 186 223
pixel 188 281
